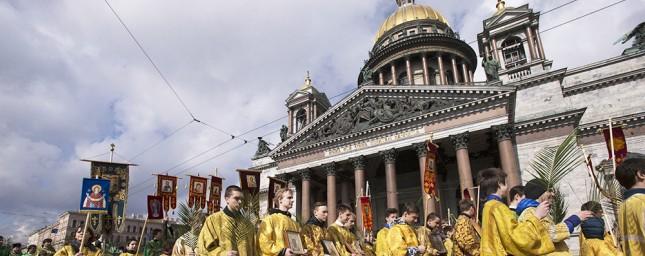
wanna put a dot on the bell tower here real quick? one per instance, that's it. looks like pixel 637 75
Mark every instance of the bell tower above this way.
pixel 511 44
pixel 304 105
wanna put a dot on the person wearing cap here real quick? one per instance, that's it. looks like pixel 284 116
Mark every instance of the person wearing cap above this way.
pixel 593 230
pixel 535 192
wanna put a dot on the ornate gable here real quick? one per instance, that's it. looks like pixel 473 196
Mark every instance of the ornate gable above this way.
pixel 509 14
pixel 379 108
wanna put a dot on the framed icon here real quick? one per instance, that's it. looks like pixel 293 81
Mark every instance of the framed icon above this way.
pixel 330 248
pixel 95 196
pixel 294 242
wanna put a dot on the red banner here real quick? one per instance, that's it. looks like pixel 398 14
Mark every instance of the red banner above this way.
pixel 366 210
pixel 429 175
pixel 167 189
pixel 250 181
pixel 215 195
pixel 620 144
pixel 274 185
pixel 197 192
pixel 155 207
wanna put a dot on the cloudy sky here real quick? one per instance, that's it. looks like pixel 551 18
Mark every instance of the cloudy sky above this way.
pixel 72 81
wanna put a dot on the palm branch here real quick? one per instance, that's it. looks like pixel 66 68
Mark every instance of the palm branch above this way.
pixel 239 227
pixel 191 221
pixel 552 164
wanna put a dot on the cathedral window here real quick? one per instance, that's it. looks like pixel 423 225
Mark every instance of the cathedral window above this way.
pixel 513 51
pixel 301 119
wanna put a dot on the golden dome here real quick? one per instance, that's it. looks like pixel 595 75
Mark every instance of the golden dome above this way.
pixel 409 12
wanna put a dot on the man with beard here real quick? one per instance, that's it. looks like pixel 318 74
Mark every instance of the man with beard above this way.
pixel 314 230
pixel 215 237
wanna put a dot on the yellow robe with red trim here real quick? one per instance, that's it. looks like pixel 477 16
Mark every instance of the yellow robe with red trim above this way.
pixel 465 238
pixel 382 245
pixel 558 232
pixel 502 234
pixel 631 222
pixel 342 238
pixel 213 240
pixel 400 238
pixel 68 250
pixel 313 236
pixel 597 247
pixel 271 233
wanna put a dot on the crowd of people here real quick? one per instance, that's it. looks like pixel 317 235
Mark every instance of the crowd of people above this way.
pixel 521 227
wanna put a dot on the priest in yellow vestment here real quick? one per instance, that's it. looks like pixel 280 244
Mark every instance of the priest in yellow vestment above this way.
pixel 73 248
pixel 402 236
pixel 315 230
pixel 338 232
pixel 631 214
pixel 273 226
pixel 382 245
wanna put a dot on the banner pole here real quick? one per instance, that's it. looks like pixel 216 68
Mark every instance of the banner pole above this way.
pixel 87 220
pixel 141 237
pixel 613 153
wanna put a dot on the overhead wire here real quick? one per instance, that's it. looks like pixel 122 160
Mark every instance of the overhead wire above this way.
pixel 161 140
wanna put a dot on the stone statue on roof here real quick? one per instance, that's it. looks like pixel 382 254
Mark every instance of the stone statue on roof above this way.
pixel 284 130
pixel 638 33
pixel 263 148
pixel 491 67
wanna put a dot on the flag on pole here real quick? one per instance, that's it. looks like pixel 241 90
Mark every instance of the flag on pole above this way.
pixel 366 210
pixel 250 181
pixel 119 176
pixel 167 189
pixel 197 192
pixel 620 144
pixel 215 195
pixel 429 175
pixel 274 185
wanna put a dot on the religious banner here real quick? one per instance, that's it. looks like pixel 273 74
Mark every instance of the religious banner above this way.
pixel 155 209
pixel 274 185
pixel 167 190
pixel 95 196
pixel 366 210
pixel 197 192
pixel 250 181
pixel 430 174
pixel 119 175
pixel 620 144
pixel 215 195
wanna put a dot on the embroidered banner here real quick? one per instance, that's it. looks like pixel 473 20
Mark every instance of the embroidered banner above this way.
pixel 155 209
pixel 620 144
pixel 197 192
pixel 274 185
pixel 119 175
pixel 167 189
pixel 215 195
pixel 250 181
pixel 366 210
pixel 429 175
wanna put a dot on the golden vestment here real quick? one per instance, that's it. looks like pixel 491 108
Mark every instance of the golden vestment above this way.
pixel 597 247
pixel 557 232
pixel 272 230
pixel 449 244
pixel 502 234
pixel 465 237
pixel 608 239
pixel 214 241
pixel 401 237
pixel 342 238
pixel 631 222
pixel 129 254
pixel 382 245
pixel 68 250
pixel 313 235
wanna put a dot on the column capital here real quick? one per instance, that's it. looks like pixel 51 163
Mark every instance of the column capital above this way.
pixel 283 177
pixel 330 168
pixel 359 162
pixel 460 141
pixel 305 174
pixel 389 155
pixel 504 131
pixel 421 148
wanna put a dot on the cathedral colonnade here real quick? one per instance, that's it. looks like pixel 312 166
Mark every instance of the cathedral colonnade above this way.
pixel 426 68
pixel 343 181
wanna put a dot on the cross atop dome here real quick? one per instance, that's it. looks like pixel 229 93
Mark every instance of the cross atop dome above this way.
pixel 404 2
pixel 307 82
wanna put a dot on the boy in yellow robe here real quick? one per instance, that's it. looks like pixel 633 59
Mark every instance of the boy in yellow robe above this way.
pixel 339 233
pixel 597 211
pixel 501 233
pixel 430 236
pixel 215 238
pixel 402 236
pixel 631 214
pixel 449 243
pixel 465 237
pixel 131 249
pixel 314 230
pixel 73 248
pixel 382 245
pixel 273 226
pixel 536 191
pixel 594 245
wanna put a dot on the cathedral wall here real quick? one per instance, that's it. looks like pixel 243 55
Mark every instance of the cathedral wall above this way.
pixel 613 101
pixel 537 101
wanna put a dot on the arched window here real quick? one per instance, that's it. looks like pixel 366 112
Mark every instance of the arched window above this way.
pixel 403 79
pixel 301 119
pixel 513 51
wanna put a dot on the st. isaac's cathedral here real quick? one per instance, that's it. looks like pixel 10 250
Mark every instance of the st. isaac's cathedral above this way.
pixel 418 85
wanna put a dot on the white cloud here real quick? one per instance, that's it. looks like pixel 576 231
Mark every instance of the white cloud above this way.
pixel 72 81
